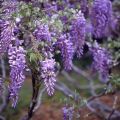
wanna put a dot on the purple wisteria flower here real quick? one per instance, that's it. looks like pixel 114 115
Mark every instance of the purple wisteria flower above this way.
pixel 68 113
pixel 9 7
pixel 65 112
pixel 42 33
pixel 17 63
pixel 101 62
pixel 101 18
pixel 66 48
pixel 47 69
pixel 78 33
pixel 6 35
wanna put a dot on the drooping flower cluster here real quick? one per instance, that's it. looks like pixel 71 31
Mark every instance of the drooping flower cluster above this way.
pixel 66 48
pixel 78 33
pixel 68 113
pixel 68 35
pixel 6 35
pixel 17 63
pixel 47 65
pixel 42 33
pixel 48 75
pixel 101 16
pixel 9 7
pixel 101 62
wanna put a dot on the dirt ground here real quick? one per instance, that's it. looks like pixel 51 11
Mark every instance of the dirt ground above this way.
pixel 53 111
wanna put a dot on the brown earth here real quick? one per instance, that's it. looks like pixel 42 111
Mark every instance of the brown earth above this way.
pixel 53 111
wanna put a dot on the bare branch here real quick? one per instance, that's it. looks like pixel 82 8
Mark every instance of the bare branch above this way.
pixel 73 81
pixel 88 78
pixel 2 118
pixel 39 100
pixel 81 72
pixel 102 110
pixel 114 108
pixel 66 91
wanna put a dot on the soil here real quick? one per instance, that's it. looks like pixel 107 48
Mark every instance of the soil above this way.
pixel 53 111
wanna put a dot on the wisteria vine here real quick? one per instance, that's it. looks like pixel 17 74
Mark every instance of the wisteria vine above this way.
pixel 51 28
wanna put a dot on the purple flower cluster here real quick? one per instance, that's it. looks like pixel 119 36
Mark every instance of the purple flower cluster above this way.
pixel 9 7
pixel 65 32
pixel 101 16
pixel 101 62
pixel 6 35
pixel 68 113
pixel 66 48
pixel 48 74
pixel 78 33
pixel 42 33
pixel 17 65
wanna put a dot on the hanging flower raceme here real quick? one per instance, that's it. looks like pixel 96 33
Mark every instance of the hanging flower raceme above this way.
pixel 47 65
pixel 17 63
pixel 66 48
pixel 78 33
pixel 42 33
pixel 101 18
pixel 6 35
pixel 9 7
pixel 101 62
pixel 48 74
pixel 68 113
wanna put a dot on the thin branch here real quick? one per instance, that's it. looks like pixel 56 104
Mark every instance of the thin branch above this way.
pixel 39 100
pixel 77 84
pixel 97 96
pixel 114 108
pixel 81 72
pixel 66 91
pixel 2 118
pixel 88 78
pixel 102 110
